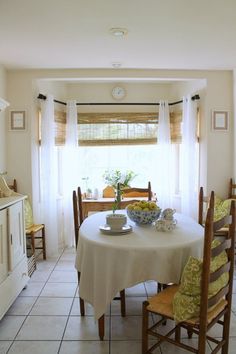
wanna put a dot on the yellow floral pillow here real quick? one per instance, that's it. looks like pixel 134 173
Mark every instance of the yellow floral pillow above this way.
pixel 221 209
pixel 186 302
pixel 28 214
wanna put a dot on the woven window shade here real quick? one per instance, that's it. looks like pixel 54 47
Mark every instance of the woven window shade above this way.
pixel 117 128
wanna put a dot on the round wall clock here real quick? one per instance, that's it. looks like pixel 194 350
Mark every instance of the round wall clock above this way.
pixel 118 92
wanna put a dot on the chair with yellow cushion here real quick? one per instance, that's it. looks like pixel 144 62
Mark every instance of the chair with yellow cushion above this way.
pixel 34 231
pixel 202 299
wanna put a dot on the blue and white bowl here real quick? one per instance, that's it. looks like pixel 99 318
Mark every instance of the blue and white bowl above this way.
pixel 143 217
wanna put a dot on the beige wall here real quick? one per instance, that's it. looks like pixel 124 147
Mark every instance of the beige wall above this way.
pixel 23 88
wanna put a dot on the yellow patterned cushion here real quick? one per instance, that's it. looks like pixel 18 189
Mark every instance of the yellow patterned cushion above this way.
pixel 186 302
pixel 221 209
pixel 5 190
pixel 28 214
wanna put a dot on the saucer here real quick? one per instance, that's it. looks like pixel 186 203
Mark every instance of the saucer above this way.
pixel 108 231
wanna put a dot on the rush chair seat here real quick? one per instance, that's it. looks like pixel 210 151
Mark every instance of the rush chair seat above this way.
pixel 34 231
pixel 212 310
pixel 78 219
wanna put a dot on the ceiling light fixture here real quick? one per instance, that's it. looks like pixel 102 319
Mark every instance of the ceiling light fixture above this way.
pixel 116 65
pixel 118 32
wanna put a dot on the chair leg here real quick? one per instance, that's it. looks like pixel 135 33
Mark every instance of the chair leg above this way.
pixel 32 242
pixel 226 328
pixel 190 333
pixel 122 303
pixel 82 309
pixel 177 333
pixel 44 243
pixel 145 328
pixel 101 325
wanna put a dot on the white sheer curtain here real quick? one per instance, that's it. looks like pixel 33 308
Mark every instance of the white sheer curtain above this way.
pixel 163 168
pixel 49 177
pixel 189 159
pixel 70 171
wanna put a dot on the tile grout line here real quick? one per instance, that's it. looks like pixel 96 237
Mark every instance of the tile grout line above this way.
pixel 26 316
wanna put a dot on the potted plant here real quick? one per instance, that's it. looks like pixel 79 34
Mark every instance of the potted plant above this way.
pixel 116 221
pixel 112 177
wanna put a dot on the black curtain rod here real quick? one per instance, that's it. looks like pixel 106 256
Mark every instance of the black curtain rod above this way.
pixel 43 97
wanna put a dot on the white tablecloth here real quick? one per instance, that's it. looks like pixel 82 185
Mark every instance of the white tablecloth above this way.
pixel 110 263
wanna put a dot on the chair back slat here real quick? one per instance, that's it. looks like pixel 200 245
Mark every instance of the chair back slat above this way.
pixel 215 275
pixel 232 189
pixel 226 244
pixel 127 191
pixel 216 298
pixel 226 220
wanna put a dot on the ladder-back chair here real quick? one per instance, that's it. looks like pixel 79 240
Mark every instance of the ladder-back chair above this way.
pixel 213 310
pixel 33 231
pixel 133 192
pixel 232 189
pixel 78 219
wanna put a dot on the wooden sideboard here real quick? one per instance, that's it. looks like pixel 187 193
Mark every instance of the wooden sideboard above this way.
pixel 102 204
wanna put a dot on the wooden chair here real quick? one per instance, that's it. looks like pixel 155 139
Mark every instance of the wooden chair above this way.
pixel 134 193
pixel 204 202
pixel 137 192
pixel 34 231
pixel 78 219
pixel 215 310
pixel 232 189
pixel 13 186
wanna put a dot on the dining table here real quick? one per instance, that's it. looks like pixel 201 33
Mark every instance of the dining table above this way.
pixel 110 262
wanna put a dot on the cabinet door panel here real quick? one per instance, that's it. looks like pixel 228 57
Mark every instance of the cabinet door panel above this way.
pixel 3 245
pixel 15 234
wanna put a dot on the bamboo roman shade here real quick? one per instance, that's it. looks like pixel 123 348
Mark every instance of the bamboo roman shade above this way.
pixel 117 128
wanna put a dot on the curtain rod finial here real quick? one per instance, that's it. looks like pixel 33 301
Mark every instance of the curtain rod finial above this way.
pixel 41 96
pixel 196 97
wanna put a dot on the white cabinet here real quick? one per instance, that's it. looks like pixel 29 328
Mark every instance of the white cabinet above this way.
pixel 13 260
pixel 3 245
pixel 16 234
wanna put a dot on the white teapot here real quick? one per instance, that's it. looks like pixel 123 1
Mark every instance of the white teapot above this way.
pixel 168 214
pixel 165 225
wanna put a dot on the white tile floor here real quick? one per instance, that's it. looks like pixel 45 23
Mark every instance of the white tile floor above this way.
pixel 45 318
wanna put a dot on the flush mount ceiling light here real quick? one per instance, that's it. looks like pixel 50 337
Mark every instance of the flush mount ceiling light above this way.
pixel 116 64
pixel 118 32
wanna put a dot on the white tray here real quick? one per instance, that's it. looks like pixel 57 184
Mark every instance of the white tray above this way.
pixel 105 229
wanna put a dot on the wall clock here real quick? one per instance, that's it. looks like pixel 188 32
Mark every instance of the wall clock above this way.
pixel 118 92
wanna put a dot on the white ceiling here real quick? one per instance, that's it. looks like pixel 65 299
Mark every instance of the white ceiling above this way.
pixel 162 34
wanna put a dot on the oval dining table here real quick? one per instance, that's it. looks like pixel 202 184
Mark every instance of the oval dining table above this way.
pixel 110 263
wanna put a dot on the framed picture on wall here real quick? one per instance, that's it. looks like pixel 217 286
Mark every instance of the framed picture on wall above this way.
pixel 17 120
pixel 220 120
